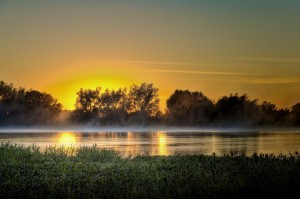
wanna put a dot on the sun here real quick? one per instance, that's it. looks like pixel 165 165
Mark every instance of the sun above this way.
pixel 65 90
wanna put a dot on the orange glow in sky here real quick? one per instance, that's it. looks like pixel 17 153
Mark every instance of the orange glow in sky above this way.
pixel 215 47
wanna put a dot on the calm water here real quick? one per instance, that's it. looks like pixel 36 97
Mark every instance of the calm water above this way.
pixel 167 142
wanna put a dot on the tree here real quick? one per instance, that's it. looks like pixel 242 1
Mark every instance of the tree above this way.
pixel 144 99
pixel 108 107
pixel 114 106
pixel 296 114
pixel 42 107
pixel 87 105
pixel 267 113
pixel 236 110
pixel 7 100
pixel 193 108
pixel 7 93
pixel 115 99
pixel 270 115
pixel 18 106
pixel 283 117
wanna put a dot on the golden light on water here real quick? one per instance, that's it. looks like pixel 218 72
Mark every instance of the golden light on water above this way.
pixel 162 143
pixel 67 139
pixel 131 147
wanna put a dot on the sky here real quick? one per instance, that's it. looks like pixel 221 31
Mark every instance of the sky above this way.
pixel 216 47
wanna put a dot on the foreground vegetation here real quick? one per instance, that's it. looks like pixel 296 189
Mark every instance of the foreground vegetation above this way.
pixel 26 172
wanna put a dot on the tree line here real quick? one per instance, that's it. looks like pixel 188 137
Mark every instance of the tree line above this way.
pixel 139 105
pixel 26 107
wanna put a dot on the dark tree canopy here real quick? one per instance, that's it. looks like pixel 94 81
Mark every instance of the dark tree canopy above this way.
pixel 116 106
pixel 87 105
pixel 193 108
pixel 21 107
pixel 296 114
pixel 144 98
pixel 139 105
pixel 270 115
pixel 236 110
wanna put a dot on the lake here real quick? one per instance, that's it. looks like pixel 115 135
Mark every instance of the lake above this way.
pixel 165 142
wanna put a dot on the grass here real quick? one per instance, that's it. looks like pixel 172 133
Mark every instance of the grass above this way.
pixel 90 172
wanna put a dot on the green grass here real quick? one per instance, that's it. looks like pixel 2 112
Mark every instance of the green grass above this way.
pixel 90 172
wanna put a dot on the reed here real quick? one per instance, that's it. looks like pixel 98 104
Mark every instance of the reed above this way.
pixel 92 172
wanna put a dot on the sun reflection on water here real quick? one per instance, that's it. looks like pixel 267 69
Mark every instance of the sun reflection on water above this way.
pixel 162 143
pixel 67 139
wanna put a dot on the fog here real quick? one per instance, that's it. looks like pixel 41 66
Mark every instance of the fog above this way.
pixel 134 141
pixel 139 129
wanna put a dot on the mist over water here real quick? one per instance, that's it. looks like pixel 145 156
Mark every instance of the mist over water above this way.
pixel 90 129
pixel 133 141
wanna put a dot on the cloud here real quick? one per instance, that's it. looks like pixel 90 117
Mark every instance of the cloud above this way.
pixel 276 80
pixel 267 59
pixel 163 63
pixel 202 72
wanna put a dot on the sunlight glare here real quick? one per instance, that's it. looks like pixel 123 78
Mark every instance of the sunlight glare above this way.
pixel 66 89
pixel 67 139
pixel 162 145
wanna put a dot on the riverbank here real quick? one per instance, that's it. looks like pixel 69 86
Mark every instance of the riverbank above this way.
pixel 103 173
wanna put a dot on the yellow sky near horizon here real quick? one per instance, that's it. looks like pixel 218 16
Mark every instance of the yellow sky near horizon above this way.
pixel 63 84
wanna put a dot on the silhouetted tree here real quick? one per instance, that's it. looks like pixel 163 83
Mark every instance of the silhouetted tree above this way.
pixel 87 106
pixel 270 115
pixel 7 100
pixel 114 106
pixel 193 108
pixel 21 107
pixel 267 113
pixel 140 105
pixel 296 114
pixel 41 105
pixel 144 103
pixel 236 110
pixel 283 117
